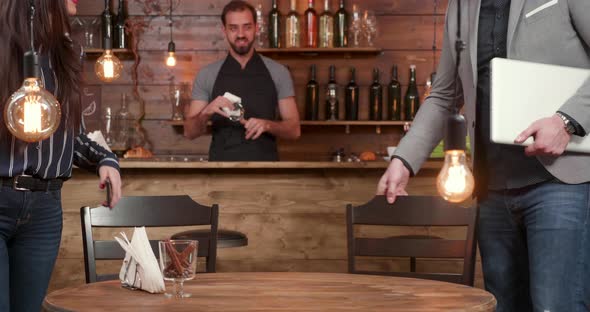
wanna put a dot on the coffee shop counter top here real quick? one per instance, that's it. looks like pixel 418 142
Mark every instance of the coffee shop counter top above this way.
pixel 196 164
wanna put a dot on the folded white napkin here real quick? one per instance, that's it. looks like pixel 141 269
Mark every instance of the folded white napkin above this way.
pixel 140 269
pixel 97 137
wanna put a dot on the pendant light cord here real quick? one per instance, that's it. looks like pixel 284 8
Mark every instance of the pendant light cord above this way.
pixel 170 21
pixel 31 20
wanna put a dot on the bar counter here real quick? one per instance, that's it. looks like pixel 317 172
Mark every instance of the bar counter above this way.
pixel 292 212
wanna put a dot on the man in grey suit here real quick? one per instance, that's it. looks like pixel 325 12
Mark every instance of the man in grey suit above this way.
pixel 534 202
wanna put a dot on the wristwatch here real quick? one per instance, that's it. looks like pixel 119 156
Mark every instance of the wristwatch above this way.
pixel 567 124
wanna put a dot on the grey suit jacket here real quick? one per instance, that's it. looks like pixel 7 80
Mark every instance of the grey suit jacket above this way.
pixel 544 31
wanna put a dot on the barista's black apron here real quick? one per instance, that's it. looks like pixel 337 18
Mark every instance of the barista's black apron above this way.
pixel 255 86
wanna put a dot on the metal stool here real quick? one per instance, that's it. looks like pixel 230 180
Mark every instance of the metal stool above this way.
pixel 225 238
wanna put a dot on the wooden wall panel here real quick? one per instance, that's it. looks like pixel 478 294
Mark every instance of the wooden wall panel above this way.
pixel 406 34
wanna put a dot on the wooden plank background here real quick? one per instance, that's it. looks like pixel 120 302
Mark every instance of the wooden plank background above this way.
pixel 406 32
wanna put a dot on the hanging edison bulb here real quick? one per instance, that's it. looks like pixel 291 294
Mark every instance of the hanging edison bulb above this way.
pixel 455 181
pixel 108 67
pixel 171 59
pixel 32 114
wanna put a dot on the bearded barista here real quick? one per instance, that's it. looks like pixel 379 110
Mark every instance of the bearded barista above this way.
pixel 264 86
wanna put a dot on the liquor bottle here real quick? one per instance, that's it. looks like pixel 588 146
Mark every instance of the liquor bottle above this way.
pixel 332 96
pixel 341 27
pixel 312 97
pixel 376 98
pixel 311 26
pixel 125 122
pixel 107 24
pixel 293 27
pixel 412 99
pixel 326 32
pixel 274 26
pixel 121 37
pixel 351 98
pixel 394 97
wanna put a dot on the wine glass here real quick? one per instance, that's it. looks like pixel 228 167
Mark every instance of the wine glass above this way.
pixel 177 95
pixel 370 27
pixel 356 27
pixel 178 262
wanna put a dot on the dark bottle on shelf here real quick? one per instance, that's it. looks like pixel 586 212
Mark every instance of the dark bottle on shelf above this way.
pixel 332 96
pixel 312 97
pixel 311 26
pixel 351 98
pixel 121 37
pixel 394 97
pixel 107 26
pixel 274 26
pixel 341 27
pixel 376 98
pixel 412 98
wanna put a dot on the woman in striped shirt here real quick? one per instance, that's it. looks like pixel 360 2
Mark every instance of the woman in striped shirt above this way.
pixel 31 174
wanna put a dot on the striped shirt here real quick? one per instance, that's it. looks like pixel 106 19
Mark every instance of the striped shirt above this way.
pixel 53 157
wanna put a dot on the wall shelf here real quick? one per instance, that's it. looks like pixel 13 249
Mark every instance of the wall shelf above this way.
pixel 349 123
pixel 98 52
pixel 309 52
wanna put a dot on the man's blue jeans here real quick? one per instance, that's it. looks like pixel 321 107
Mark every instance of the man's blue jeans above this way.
pixel 535 246
pixel 30 233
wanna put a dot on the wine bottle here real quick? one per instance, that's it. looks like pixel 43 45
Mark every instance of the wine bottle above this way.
pixel 311 26
pixel 376 98
pixel 326 32
pixel 293 27
pixel 332 96
pixel 274 25
pixel 394 97
pixel 312 98
pixel 412 98
pixel 121 37
pixel 341 27
pixel 107 26
pixel 351 98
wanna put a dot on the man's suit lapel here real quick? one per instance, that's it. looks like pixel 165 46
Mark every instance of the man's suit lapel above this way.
pixel 516 7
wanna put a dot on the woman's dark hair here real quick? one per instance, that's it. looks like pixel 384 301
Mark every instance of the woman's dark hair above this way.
pixel 237 6
pixel 51 29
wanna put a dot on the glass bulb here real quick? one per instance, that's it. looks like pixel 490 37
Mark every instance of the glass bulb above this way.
pixel 455 181
pixel 108 67
pixel 171 59
pixel 32 114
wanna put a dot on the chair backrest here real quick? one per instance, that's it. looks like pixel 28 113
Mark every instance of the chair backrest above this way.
pixel 413 211
pixel 148 211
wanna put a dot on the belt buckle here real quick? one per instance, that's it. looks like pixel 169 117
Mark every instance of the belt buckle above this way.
pixel 15 183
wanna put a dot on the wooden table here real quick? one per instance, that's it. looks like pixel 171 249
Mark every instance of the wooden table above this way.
pixel 280 292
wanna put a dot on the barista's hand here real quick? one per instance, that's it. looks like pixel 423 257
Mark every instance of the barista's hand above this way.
pixel 216 107
pixel 255 127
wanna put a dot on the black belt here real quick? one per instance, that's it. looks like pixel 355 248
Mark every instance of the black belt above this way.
pixel 29 183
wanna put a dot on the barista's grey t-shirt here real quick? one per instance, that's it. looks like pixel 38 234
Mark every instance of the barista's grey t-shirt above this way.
pixel 205 80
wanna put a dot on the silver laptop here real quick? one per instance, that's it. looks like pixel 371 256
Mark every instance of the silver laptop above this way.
pixel 522 92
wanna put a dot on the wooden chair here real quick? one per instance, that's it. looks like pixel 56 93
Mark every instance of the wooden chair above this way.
pixel 414 211
pixel 148 211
